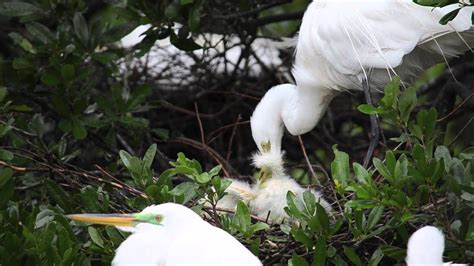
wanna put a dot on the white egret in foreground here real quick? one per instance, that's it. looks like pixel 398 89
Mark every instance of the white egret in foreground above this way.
pixel 171 234
pixel 354 45
pixel 425 247
pixel 268 195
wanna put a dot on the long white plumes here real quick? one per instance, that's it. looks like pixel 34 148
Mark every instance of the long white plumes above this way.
pixel 342 42
pixel 426 247
pixel 268 198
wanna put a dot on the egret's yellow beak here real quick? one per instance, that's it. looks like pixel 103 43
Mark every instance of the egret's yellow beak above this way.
pixel 107 219
pixel 264 175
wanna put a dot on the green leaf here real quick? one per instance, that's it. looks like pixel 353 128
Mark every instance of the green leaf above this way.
pixel 203 178
pixel 442 152
pixel 152 191
pixel 215 171
pixel 185 170
pixel 68 72
pixel 401 168
pixel 22 42
pixel 242 217
pixel 448 17
pixel 362 175
pixel 467 154
pixel 186 189
pixel 44 217
pixel 320 252
pixel 40 32
pixel 51 77
pixel 105 57
pixel 81 29
pixel 6 155
pixel 117 32
pixel 126 158
pixel 382 169
pixel 3 93
pixel 79 131
pixel 149 156
pixel 427 2
pixel 406 103
pixel 300 236
pixel 352 256
pixel 297 261
pixel 391 92
pixel 340 168
pixel 376 257
pixel 95 236
pixel 323 217
pixel 185 44
pixel 17 9
pixel 393 252
pixel 294 206
pixel 259 226
pixel 310 202
pixel 194 17
pixel 58 195
pixel 374 217
pixel 5 175
pixel 368 109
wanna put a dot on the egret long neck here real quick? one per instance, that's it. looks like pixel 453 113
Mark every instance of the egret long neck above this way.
pixel 266 121
pixel 302 113
pixel 296 108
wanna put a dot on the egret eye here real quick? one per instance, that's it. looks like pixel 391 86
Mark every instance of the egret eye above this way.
pixel 158 218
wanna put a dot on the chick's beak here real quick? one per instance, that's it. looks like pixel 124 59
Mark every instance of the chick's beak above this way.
pixel 264 175
pixel 107 219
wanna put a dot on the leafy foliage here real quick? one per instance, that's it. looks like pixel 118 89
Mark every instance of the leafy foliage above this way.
pixel 442 3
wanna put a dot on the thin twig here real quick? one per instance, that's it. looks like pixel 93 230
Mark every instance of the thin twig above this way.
pixel 461 131
pixel 229 148
pixel 310 167
pixel 256 218
pixel 201 129
pixel 456 108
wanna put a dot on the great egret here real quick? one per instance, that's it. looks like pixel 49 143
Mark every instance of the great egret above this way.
pixel 425 247
pixel 268 195
pixel 354 45
pixel 171 234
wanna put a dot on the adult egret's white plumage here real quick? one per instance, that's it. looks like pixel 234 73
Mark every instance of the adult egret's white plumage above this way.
pixel 171 234
pixel 340 42
pixel 426 247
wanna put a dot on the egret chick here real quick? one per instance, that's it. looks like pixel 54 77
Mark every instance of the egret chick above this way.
pixel 425 247
pixel 171 234
pixel 237 190
pixel 268 195
pixel 271 192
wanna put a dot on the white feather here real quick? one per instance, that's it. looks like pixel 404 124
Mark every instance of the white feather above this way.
pixel 426 247
pixel 182 239
pixel 340 40
pixel 271 200
pixel 268 198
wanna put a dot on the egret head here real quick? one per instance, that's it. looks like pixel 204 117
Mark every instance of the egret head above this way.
pixel 164 215
pixel 266 121
pixel 296 108
pixel 425 247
